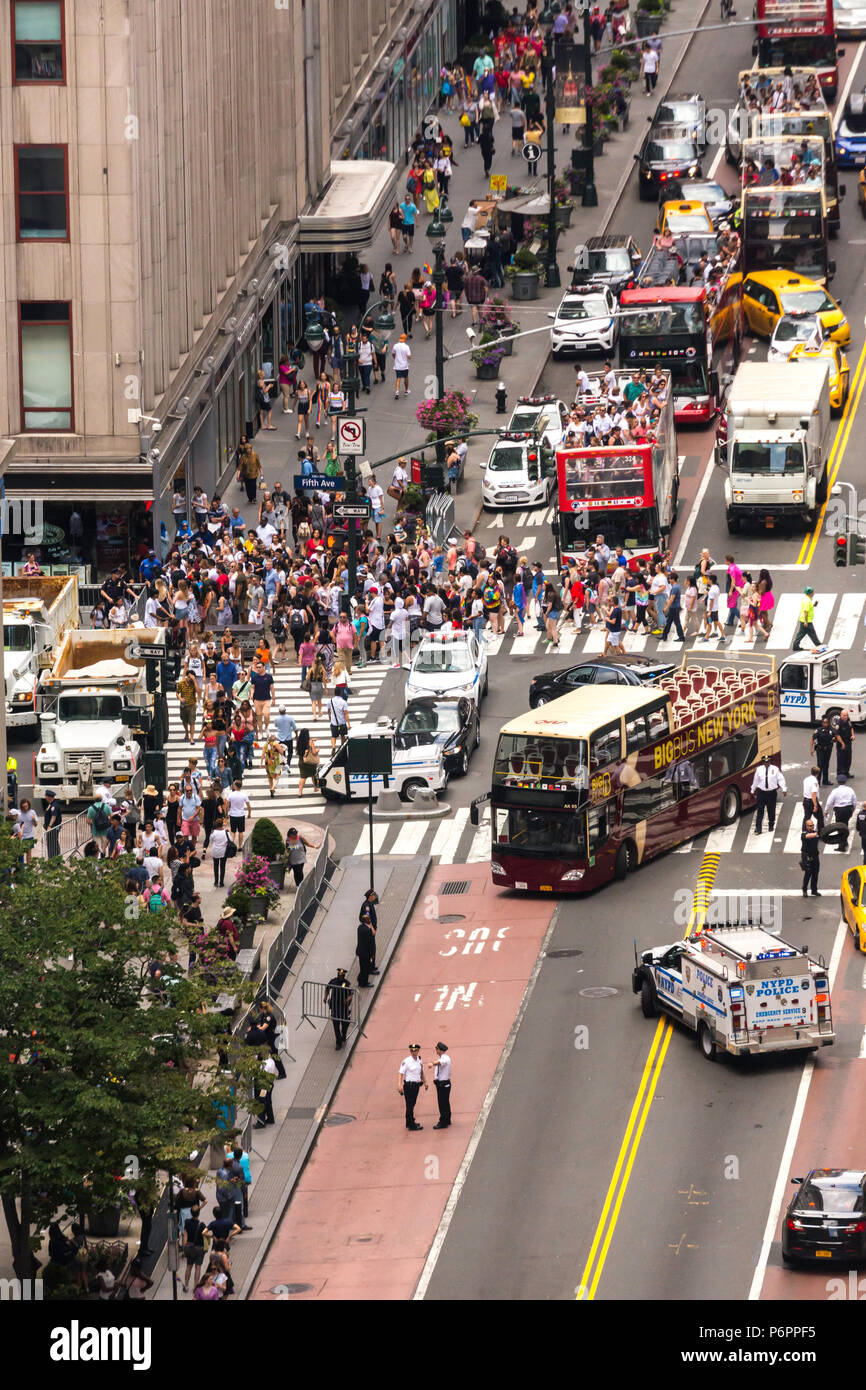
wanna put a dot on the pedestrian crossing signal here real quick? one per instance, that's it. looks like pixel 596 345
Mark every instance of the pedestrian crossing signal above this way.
pixel 840 556
pixel 858 550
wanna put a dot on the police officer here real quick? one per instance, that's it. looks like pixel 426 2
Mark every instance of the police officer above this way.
pixel 442 1082
pixel 809 861
pixel 811 798
pixel 410 1079
pixel 844 745
pixel 365 949
pixel 821 748
pixel 51 821
pixel 766 784
pixel 841 803
pixel 338 997
pixel 368 911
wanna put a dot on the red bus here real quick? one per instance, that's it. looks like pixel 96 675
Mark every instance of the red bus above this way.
pixel 627 493
pixel 601 780
pixel 687 328
pixel 796 34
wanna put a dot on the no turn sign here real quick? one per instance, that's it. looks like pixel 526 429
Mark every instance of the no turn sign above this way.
pixel 351 435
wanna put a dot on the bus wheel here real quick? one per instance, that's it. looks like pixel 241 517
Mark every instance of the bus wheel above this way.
pixel 730 806
pixel 624 861
pixel 648 999
pixel 706 1043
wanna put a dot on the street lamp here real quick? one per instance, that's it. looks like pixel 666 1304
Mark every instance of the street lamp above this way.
pixel 436 231
pixel 551 277
pixel 590 196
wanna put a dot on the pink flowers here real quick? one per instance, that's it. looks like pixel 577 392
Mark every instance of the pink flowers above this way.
pixel 447 415
pixel 254 875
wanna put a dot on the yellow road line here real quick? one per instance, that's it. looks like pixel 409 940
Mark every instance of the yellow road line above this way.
pixel 640 1109
pixel 837 453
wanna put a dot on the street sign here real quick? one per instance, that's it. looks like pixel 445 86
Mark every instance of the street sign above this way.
pixel 318 481
pixel 146 651
pixel 344 511
pixel 498 183
pixel 530 151
pixel 351 435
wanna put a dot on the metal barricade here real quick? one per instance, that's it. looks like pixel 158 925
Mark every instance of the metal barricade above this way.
pixel 316 1002
pixel 439 516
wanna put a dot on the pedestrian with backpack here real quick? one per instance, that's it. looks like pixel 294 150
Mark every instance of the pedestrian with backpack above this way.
pixel 100 824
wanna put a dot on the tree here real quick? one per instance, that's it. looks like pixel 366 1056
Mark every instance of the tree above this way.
pixel 104 1079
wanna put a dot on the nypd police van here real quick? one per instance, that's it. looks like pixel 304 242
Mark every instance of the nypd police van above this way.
pixel 741 989
pixel 412 768
pixel 812 688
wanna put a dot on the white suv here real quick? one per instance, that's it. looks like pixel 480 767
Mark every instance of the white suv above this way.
pixel 449 664
pixel 584 322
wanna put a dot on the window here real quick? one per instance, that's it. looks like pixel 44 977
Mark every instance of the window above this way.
pixel 635 733
pixel 605 746
pixel 45 334
pixel 795 676
pixel 657 720
pixel 540 832
pixel 37 41
pixel 646 800
pixel 41 188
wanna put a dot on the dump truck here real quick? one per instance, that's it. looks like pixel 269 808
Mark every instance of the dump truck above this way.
pixel 38 611
pixel 100 705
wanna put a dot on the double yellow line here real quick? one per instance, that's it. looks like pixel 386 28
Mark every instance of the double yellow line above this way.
pixel 837 453
pixel 640 1109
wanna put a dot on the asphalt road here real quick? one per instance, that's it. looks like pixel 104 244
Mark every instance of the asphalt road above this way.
pixel 696 1198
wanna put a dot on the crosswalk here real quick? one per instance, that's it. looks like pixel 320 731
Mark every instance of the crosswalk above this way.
pixel 838 622
pixel 365 683
pixel 454 841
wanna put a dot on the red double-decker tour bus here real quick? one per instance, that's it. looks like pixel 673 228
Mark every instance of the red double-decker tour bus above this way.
pixel 592 785
pixel 627 493
pixel 798 33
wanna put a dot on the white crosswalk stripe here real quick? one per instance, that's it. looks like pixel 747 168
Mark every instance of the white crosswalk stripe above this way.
pixel 847 621
pixel 365 683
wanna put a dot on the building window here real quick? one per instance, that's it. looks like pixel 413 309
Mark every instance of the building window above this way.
pixel 46 365
pixel 37 41
pixel 42 192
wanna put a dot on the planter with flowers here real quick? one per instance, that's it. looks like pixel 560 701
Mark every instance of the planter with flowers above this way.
pixel 524 274
pixel 496 318
pixel 562 201
pixel 446 416
pixel 487 357
pixel 254 892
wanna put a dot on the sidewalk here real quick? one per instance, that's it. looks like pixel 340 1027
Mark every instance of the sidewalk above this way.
pixel 279 1152
pixel 369 1204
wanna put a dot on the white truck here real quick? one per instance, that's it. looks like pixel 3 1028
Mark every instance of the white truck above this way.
pixel 812 688
pixel 740 988
pixel 771 442
pixel 38 611
pixel 93 703
pixel 414 769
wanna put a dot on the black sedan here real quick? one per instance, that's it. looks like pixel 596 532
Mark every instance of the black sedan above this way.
pixel 454 724
pixel 826 1217
pixel 624 670
pixel 667 153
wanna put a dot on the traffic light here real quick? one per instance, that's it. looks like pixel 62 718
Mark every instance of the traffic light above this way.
pixel 858 550
pixel 840 554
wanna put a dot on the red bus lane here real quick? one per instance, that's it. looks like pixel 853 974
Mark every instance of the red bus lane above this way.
pixel 832 1135
pixel 369 1203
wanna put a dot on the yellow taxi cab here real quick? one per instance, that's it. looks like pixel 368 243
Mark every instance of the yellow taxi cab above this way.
pixel 853 907
pixel 677 218
pixel 767 294
pixel 839 371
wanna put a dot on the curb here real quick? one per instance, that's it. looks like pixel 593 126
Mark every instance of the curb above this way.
pixel 285 1196
pixel 614 201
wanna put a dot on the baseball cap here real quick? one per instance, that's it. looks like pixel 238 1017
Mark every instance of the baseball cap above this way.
pixel 373 589
pixel 809 590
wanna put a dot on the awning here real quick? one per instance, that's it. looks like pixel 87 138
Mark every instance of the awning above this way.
pixel 85 494
pixel 359 195
pixel 527 204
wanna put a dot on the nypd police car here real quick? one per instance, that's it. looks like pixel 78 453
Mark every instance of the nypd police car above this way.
pixel 584 322
pixel 449 664
pixel 519 471
pixel 411 768
pixel 546 416
pixel 812 688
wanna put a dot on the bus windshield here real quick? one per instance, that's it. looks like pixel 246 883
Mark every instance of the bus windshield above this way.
pixel 689 378
pixel 540 832
pixel 635 528
pixel 806 257
pixel 799 51
pixel 767 458
pixel 604 475
pixel 652 320
pixel 538 756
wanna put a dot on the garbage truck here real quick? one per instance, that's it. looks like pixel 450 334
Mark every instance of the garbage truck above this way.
pixel 38 610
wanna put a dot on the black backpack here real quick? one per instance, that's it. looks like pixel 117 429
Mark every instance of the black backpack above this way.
pixel 101 821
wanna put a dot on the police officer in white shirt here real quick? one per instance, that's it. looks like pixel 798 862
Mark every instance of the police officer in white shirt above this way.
pixel 582 383
pixel 442 1082
pixel 841 802
pixel 409 1081
pixel 766 784
pixel 811 798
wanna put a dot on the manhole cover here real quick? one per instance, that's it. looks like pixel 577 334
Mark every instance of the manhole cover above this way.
pixel 453 887
pixel 281 1290
pixel 453 917
pixel 598 992
pixel 343 1119
pixel 563 955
